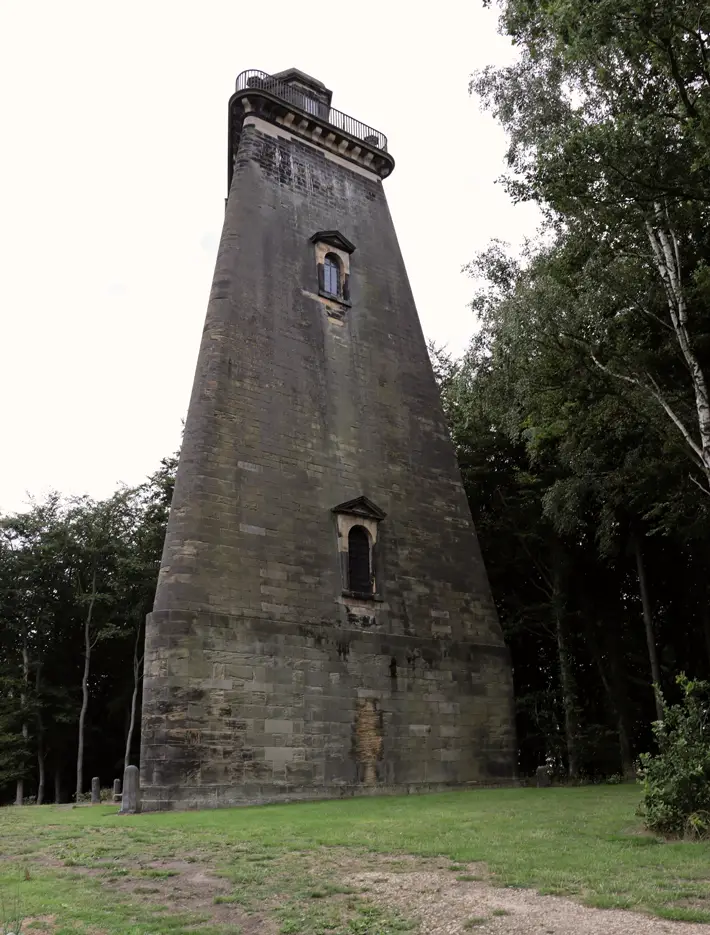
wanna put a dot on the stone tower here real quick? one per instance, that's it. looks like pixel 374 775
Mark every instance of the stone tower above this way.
pixel 323 624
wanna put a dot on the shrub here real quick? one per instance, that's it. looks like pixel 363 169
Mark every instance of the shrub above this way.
pixel 676 781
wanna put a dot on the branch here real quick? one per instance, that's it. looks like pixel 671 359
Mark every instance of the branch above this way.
pixel 705 490
pixel 634 381
pixel 653 391
pixel 649 314
pixel 690 108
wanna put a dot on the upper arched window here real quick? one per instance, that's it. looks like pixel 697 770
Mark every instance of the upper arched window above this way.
pixel 331 274
pixel 359 568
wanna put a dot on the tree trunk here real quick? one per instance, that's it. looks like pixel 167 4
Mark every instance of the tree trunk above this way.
pixel 84 691
pixel 40 772
pixel 137 660
pixel 40 740
pixel 567 681
pixel 20 788
pixel 666 255
pixel 620 700
pixel 648 624
pixel 614 686
pixel 57 785
pixel 625 754
pixel 568 698
pixel 666 252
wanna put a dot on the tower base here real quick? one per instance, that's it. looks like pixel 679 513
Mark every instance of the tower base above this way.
pixel 249 710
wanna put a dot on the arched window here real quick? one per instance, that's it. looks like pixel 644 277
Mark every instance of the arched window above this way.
pixel 331 274
pixel 359 573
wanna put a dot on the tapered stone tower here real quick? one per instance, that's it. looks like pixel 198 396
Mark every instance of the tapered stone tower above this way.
pixel 323 623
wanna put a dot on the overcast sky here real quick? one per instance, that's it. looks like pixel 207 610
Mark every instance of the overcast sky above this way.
pixel 112 186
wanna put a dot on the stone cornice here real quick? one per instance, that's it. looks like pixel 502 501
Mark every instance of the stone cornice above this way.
pixel 261 103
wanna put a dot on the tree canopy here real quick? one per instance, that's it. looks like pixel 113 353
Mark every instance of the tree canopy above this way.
pixel 580 412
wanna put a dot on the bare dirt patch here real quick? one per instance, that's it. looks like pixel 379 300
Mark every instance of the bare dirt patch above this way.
pixel 38 924
pixel 191 888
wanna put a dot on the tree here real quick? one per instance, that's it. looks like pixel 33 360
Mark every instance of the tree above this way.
pixel 608 116
pixel 77 578
pixel 583 396
pixel 31 591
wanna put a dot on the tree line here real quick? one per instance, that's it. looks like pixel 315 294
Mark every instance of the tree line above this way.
pixel 77 578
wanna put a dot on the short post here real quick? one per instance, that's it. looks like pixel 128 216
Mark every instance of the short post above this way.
pixel 131 798
pixel 117 790
pixel 543 777
pixel 95 791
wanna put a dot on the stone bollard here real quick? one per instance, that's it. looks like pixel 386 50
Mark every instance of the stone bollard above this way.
pixel 95 791
pixel 117 790
pixel 543 777
pixel 131 798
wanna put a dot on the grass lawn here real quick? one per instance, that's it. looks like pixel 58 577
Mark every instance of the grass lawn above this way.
pixel 72 870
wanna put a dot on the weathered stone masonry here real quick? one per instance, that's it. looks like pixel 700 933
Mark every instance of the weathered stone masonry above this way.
pixel 263 680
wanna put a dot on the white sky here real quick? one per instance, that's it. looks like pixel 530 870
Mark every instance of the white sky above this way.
pixel 112 186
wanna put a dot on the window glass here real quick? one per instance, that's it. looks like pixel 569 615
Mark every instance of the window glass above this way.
pixel 331 274
pixel 359 575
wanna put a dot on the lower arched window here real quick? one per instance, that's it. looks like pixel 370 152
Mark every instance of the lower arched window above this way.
pixel 359 565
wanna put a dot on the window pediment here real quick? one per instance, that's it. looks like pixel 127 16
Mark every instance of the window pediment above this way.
pixel 361 506
pixel 334 239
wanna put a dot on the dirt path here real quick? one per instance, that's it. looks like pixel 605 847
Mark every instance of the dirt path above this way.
pixel 446 906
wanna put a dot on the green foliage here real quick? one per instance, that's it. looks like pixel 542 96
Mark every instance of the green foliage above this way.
pixel 58 559
pixel 676 781
pixel 578 412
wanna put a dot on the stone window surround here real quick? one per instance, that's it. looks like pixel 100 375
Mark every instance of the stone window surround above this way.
pixel 322 250
pixel 348 515
pixel 334 243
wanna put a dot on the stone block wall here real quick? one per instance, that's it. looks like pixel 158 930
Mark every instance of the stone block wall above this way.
pixel 251 712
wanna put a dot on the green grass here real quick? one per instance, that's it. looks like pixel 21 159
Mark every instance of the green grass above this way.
pixel 89 868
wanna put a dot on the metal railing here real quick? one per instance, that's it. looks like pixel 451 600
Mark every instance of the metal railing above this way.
pixel 311 105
